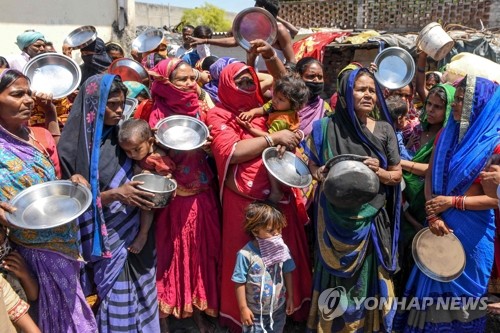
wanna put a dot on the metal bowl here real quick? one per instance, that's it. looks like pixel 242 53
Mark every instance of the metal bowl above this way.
pixel 53 73
pixel 148 40
pixel 49 204
pixel 395 68
pixel 254 23
pixel 129 70
pixel 290 170
pixel 349 183
pixel 442 258
pixel 162 187
pixel 181 133
pixel 81 37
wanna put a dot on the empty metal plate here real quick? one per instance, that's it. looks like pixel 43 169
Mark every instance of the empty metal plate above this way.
pixel 289 170
pixel 129 70
pixel 442 258
pixel 254 23
pixel 148 40
pixel 395 68
pixel 53 73
pixel 81 37
pixel 49 204
pixel 181 132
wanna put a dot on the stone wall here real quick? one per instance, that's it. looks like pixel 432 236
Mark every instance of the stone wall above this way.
pixel 390 15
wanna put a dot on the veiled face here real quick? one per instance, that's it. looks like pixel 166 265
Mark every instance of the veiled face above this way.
pixel 183 77
pixel 365 96
pixel 244 81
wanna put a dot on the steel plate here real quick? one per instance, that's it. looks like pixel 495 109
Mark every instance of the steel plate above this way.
pixel 81 37
pixel 148 40
pixel 395 68
pixel 289 170
pixel 254 23
pixel 181 133
pixel 49 204
pixel 53 73
pixel 129 70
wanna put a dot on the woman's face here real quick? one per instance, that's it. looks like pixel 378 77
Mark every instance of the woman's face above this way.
pixel 114 109
pixel 436 109
pixel 16 104
pixel 458 103
pixel 184 78
pixel 244 81
pixel 365 96
pixel 313 73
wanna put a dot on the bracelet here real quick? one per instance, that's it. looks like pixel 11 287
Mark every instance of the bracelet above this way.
pixel 302 134
pixel 421 69
pixel 269 140
pixel 411 169
pixel 269 59
pixel 433 218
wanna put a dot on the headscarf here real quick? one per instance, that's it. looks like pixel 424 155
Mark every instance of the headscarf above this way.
pixel 27 38
pixel 86 143
pixel 95 63
pixel 212 87
pixel 168 99
pixel 234 99
pixel 135 88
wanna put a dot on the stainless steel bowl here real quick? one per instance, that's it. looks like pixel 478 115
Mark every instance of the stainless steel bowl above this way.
pixel 148 40
pixel 254 23
pixel 49 204
pixel 162 187
pixel 53 73
pixel 290 170
pixel 129 70
pixel 81 37
pixel 350 183
pixel 181 133
pixel 396 68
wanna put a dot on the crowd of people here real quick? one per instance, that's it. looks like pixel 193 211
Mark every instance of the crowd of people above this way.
pixel 236 249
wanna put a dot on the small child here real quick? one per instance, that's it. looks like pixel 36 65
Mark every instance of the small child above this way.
pixel 14 269
pixel 290 94
pixel 398 108
pixel 263 271
pixel 136 139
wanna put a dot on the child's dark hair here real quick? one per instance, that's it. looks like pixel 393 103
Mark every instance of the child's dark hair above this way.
pixel 397 106
pixel 294 89
pixel 263 214
pixel 134 128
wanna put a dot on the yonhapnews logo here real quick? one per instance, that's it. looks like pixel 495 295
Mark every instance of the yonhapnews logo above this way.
pixel 332 303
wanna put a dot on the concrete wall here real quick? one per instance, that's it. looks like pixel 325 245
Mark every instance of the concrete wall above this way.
pixel 57 18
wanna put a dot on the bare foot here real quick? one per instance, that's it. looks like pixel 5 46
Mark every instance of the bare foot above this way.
pixel 275 195
pixel 138 243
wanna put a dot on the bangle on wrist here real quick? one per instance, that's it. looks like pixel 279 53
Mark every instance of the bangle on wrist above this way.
pixel 421 69
pixel 269 59
pixel 269 140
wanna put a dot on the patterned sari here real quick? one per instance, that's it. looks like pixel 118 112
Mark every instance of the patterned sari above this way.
pixel 124 281
pixel 51 254
pixel 356 253
pixel 187 230
pixel 462 151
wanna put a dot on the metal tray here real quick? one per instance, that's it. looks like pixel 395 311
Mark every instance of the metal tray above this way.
pixel 49 204
pixel 53 73
pixel 181 133
pixel 254 23
pixel 129 70
pixel 81 37
pixel 442 258
pixel 148 40
pixel 395 68
pixel 289 170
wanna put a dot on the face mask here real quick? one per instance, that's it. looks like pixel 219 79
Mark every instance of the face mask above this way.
pixel 315 88
pixel 273 250
pixel 5 248
pixel 203 50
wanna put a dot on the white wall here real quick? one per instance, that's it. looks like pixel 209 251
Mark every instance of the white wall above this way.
pixel 56 19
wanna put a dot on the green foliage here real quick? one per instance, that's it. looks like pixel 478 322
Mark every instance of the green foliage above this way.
pixel 208 15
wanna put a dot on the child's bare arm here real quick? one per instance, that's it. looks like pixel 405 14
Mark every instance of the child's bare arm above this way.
pixel 289 293
pixel 249 115
pixel 245 312
pixel 15 264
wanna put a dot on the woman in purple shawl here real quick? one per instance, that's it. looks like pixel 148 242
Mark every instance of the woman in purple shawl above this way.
pixel 311 71
pixel 212 87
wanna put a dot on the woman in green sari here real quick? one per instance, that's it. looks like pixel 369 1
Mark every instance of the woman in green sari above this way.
pixel 437 109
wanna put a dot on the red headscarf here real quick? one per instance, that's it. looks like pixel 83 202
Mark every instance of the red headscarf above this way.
pixel 233 98
pixel 168 99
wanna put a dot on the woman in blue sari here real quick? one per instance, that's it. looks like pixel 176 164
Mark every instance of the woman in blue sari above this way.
pixel 124 282
pixel 356 250
pixel 456 203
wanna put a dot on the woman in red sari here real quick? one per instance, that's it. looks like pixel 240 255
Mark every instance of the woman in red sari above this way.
pixel 188 229
pixel 243 178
